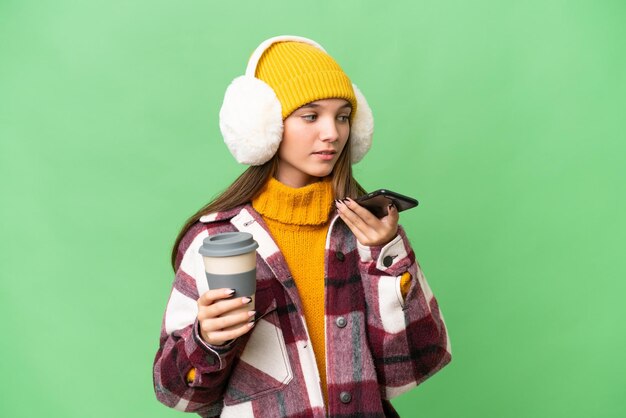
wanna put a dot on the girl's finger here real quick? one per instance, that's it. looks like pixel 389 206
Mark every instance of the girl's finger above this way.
pixel 218 324
pixel 356 231
pixel 353 219
pixel 379 234
pixel 392 216
pixel 222 307
pixel 368 217
pixel 220 337
pixel 210 296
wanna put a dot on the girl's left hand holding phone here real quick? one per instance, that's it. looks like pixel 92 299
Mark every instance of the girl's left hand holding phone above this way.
pixel 367 228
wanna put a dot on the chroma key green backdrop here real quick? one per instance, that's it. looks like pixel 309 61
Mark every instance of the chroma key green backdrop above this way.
pixel 504 118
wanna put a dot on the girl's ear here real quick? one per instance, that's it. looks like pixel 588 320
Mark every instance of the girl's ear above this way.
pixel 251 120
pixel 362 128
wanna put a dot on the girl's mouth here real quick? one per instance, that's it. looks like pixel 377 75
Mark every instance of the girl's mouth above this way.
pixel 325 155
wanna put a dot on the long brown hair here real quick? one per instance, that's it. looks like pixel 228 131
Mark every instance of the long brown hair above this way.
pixel 252 180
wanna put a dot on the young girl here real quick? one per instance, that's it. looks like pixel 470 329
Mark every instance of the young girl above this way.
pixel 344 318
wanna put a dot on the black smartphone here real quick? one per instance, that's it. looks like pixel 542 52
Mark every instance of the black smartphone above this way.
pixel 377 202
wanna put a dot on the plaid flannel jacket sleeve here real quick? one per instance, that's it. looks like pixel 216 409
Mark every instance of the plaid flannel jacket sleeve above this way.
pixel 181 347
pixel 407 336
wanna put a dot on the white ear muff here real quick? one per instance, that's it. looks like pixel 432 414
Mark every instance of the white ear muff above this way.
pixel 362 129
pixel 251 115
pixel 251 120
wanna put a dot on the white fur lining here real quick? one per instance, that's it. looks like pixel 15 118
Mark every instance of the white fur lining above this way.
pixel 362 129
pixel 251 120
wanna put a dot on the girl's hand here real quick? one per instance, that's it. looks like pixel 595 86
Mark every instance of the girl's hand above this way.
pixel 367 228
pixel 215 313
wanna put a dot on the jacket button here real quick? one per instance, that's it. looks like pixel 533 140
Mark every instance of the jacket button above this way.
pixel 345 397
pixel 341 322
pixel 340 256
pixel 387 261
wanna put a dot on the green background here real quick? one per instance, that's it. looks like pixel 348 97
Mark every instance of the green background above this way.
pixel 504 118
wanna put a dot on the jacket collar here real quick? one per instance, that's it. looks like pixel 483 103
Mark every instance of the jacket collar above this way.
pixel 223 216
pixel 245 219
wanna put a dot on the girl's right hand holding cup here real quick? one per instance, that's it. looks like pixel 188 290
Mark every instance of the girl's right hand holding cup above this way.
pixel 221 318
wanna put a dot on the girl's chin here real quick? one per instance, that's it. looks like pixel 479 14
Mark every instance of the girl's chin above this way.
pixel 321 171
pixel 318 175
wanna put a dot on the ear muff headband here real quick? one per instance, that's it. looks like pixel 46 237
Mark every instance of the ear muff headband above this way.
pixel 258 52
pixel 251 115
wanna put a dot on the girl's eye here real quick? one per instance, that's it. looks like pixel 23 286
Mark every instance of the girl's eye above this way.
pixel 343 118
pixel 309 118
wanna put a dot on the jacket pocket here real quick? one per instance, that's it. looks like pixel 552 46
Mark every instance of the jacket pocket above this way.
pixel 263 366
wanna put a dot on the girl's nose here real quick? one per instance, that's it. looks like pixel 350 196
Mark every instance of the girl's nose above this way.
pixel 329 131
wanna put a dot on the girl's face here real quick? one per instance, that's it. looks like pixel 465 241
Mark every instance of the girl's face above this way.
pixel 314 136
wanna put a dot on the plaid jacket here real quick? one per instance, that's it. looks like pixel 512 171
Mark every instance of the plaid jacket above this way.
pixel 377 344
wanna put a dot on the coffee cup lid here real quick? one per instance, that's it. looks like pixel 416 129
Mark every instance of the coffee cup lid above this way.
pixel 228 244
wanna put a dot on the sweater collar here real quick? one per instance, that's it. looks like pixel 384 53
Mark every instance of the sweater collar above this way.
pixel 308 205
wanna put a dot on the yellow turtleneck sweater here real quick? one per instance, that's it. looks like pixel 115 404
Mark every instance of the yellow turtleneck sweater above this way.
pixel 298 220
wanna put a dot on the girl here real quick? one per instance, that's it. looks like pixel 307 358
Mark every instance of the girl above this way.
pixel 344 318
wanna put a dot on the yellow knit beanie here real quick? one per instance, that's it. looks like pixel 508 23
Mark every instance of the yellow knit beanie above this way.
pixel 300 73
